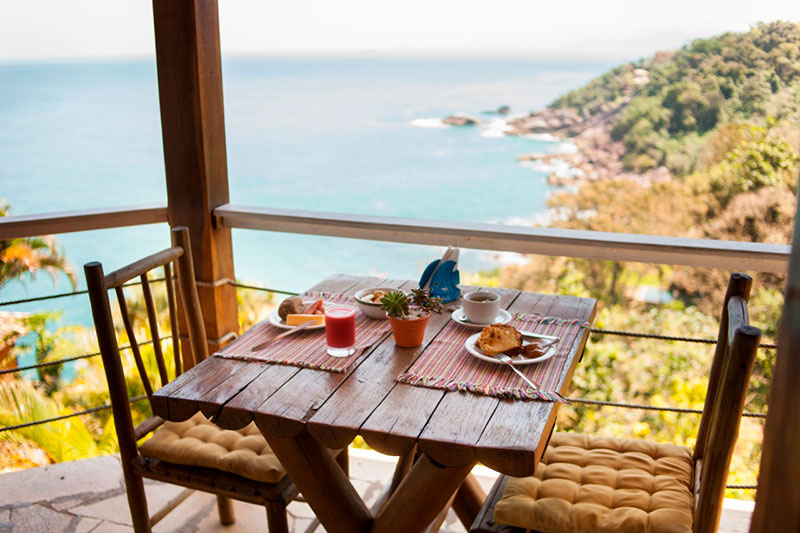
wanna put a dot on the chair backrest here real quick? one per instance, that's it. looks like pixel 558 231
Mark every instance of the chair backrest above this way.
pixel 195 350
pixel 733 362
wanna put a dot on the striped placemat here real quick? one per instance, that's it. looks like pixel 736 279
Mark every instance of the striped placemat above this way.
pixel 446 364
pixel 305 348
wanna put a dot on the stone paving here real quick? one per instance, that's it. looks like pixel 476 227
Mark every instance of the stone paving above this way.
pixel 89 496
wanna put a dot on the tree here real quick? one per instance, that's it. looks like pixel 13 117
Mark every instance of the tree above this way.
pixel 19 257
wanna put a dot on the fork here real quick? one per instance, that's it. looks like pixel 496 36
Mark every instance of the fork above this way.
pixel 507 360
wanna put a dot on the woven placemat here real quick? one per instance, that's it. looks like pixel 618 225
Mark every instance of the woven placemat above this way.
pixel 447 364
pixel 306 349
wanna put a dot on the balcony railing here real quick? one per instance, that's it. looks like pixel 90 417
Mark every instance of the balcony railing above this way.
pixel 586 244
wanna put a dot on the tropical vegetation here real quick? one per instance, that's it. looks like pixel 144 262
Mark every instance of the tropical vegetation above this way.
pixel 21 258
pixel 721 115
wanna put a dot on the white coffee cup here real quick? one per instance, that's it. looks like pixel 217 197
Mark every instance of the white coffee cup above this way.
pixel 481 307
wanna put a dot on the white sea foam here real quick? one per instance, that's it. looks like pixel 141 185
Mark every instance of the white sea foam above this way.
pixel 558 167
pixel 496 128
pixel 492 133
pixel 544 219
pixel 546 137
pixel 504 258
pixel 429 123
pixel 564 147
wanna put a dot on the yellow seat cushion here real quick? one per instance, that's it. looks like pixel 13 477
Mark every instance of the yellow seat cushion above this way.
pixel 602 484
pixel 198 442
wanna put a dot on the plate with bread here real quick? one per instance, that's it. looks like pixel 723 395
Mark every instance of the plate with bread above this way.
pixel 523 347
pixel 295 311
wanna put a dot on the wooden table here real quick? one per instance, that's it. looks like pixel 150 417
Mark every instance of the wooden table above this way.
pixel 438 435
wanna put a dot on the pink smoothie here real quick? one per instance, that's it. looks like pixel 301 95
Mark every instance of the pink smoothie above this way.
pixel 340 326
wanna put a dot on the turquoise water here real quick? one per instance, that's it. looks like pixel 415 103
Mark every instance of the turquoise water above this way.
pixel 320 134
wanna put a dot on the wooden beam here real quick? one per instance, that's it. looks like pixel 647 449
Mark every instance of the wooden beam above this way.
pixel 728 255
pixel 20 226
pixel 193 131
pixel 778 492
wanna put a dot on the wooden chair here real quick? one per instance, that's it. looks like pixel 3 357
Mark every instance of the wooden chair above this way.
pixel 225 484
pixel 692 482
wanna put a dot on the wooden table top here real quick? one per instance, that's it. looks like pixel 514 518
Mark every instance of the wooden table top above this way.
pixel 453 428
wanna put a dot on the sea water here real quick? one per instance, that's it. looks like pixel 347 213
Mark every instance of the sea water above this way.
pixel 349 135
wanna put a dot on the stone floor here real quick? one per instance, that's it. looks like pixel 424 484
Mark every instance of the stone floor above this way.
pixel 89 495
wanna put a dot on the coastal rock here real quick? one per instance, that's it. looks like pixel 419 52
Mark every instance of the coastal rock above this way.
pixel 460 119
pixel 598 156
pixel 502 110
pixel 547 121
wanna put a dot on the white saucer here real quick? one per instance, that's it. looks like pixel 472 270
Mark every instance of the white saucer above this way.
pixel 275 319
pixel 503 317
pixel 474 351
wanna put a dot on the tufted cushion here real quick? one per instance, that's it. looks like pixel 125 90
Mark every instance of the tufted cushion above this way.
pixel 601 484
pixel 198 442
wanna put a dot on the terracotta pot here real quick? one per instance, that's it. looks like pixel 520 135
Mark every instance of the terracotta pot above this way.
pixel 409 333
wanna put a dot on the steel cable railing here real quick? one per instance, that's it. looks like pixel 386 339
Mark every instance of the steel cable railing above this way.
pixel 65 294
pixel 584 401
pixel 64 417
pixel 68 359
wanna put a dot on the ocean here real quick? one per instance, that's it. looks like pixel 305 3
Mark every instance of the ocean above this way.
pixel 350 135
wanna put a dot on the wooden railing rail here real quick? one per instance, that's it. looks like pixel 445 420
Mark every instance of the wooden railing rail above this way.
pixel 726 255
pixel 13 227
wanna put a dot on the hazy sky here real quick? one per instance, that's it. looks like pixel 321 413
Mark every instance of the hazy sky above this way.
pixel 613 29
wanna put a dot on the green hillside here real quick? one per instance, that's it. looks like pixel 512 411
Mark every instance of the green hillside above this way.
pixel 692 93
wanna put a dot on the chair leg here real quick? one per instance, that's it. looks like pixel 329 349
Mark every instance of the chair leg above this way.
pixel 225 508
pixel 276 518
pixel 137 501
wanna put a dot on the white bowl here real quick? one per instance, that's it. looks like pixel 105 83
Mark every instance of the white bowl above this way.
pixel 372 310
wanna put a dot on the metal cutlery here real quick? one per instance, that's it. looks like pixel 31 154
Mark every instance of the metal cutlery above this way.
pixel 507 360
pixel 539 336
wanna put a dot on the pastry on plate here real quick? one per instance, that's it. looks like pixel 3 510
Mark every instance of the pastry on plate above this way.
pixel 498 338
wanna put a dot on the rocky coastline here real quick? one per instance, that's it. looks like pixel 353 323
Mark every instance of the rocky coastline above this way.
pixel 597 155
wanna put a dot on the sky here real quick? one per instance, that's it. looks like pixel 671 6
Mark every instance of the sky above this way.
pixel 579 29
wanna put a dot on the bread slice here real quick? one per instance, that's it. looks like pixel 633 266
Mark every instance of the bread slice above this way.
pixel 498 338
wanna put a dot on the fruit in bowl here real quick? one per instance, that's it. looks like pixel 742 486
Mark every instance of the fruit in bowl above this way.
pixel 369 301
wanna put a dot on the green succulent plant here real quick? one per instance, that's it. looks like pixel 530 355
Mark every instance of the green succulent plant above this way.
pixel 395 304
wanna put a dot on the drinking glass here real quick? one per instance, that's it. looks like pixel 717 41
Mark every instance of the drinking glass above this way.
pixel 340 330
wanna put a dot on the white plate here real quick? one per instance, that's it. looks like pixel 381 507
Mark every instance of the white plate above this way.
pixel 276 321
pixel 473 350
pixel 503 317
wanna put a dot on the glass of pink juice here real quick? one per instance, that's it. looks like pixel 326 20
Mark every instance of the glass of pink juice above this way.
pixel 340 330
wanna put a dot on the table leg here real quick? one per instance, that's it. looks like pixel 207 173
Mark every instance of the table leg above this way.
pixel 436 525
pixel 421 496
pixel 401 470
pixel 469 500
pixel 323 483
pixel 404 464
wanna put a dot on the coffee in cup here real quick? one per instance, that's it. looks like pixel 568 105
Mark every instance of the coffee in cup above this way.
pixel 481 307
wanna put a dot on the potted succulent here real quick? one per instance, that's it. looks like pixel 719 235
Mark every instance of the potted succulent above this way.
pixel 409 318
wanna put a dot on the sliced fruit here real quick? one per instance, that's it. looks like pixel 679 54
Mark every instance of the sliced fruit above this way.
pixel 312 308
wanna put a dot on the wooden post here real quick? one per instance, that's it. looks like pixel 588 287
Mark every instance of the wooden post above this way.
pixel 193 131
pixel 778 492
